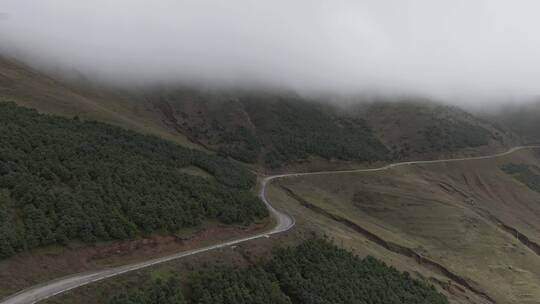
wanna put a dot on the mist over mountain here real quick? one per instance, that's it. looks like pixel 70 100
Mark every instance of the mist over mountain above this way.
pixel 308 151
pixel 460 51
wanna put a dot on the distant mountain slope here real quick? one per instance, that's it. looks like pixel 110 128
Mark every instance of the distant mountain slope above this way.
pixel 293 129
pixel 524 120
pixel 278 129
pixel 421 127
pixel 272 129
pixel 31 88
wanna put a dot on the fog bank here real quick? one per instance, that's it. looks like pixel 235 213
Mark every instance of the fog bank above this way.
pixel 463 49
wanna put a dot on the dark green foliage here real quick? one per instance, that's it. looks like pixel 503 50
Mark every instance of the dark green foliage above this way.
pixel 278 129
pixel 315 272
pixel 211 285
pixel 283 128
pixel 449 136
pixel 63 179
pixel 319 272
pixel 293 129
pixel 241 144
pixel 225 285
pixel 528 175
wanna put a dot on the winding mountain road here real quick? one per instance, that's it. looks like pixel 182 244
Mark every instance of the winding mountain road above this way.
pixel 284 222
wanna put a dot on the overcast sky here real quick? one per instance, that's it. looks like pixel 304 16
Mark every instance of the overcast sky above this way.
pixel 464 48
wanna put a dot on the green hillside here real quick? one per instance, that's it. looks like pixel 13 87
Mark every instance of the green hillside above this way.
pixel 271 129
pixel 313 272
pixel 48 94
pixel 65 179
pixel 277 129
pixel 412 128
pixel 472 227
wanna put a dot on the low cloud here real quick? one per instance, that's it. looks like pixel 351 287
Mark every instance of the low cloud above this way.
pixel 463 49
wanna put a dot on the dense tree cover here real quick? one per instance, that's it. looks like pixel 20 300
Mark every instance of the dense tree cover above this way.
pixel 281 128
pixel 527 174
pixel 450 136
pixel 314 272
pixel 224 285
pixel 317 272
pixel 240 144
pixel 220 124
pixel 63 179
pixel 293 129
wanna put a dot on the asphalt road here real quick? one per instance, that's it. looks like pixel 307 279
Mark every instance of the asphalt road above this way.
pixel 284 222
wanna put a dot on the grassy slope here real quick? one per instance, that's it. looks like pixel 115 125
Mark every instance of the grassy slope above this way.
pixel 423 128
pixel 33 89
pixel 449 213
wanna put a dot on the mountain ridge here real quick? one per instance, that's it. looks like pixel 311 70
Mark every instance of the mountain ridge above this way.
pixel 269 129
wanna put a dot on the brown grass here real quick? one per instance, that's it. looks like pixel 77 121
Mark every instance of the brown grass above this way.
pixel 32 89
pixel 450 213
pixel 40 265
